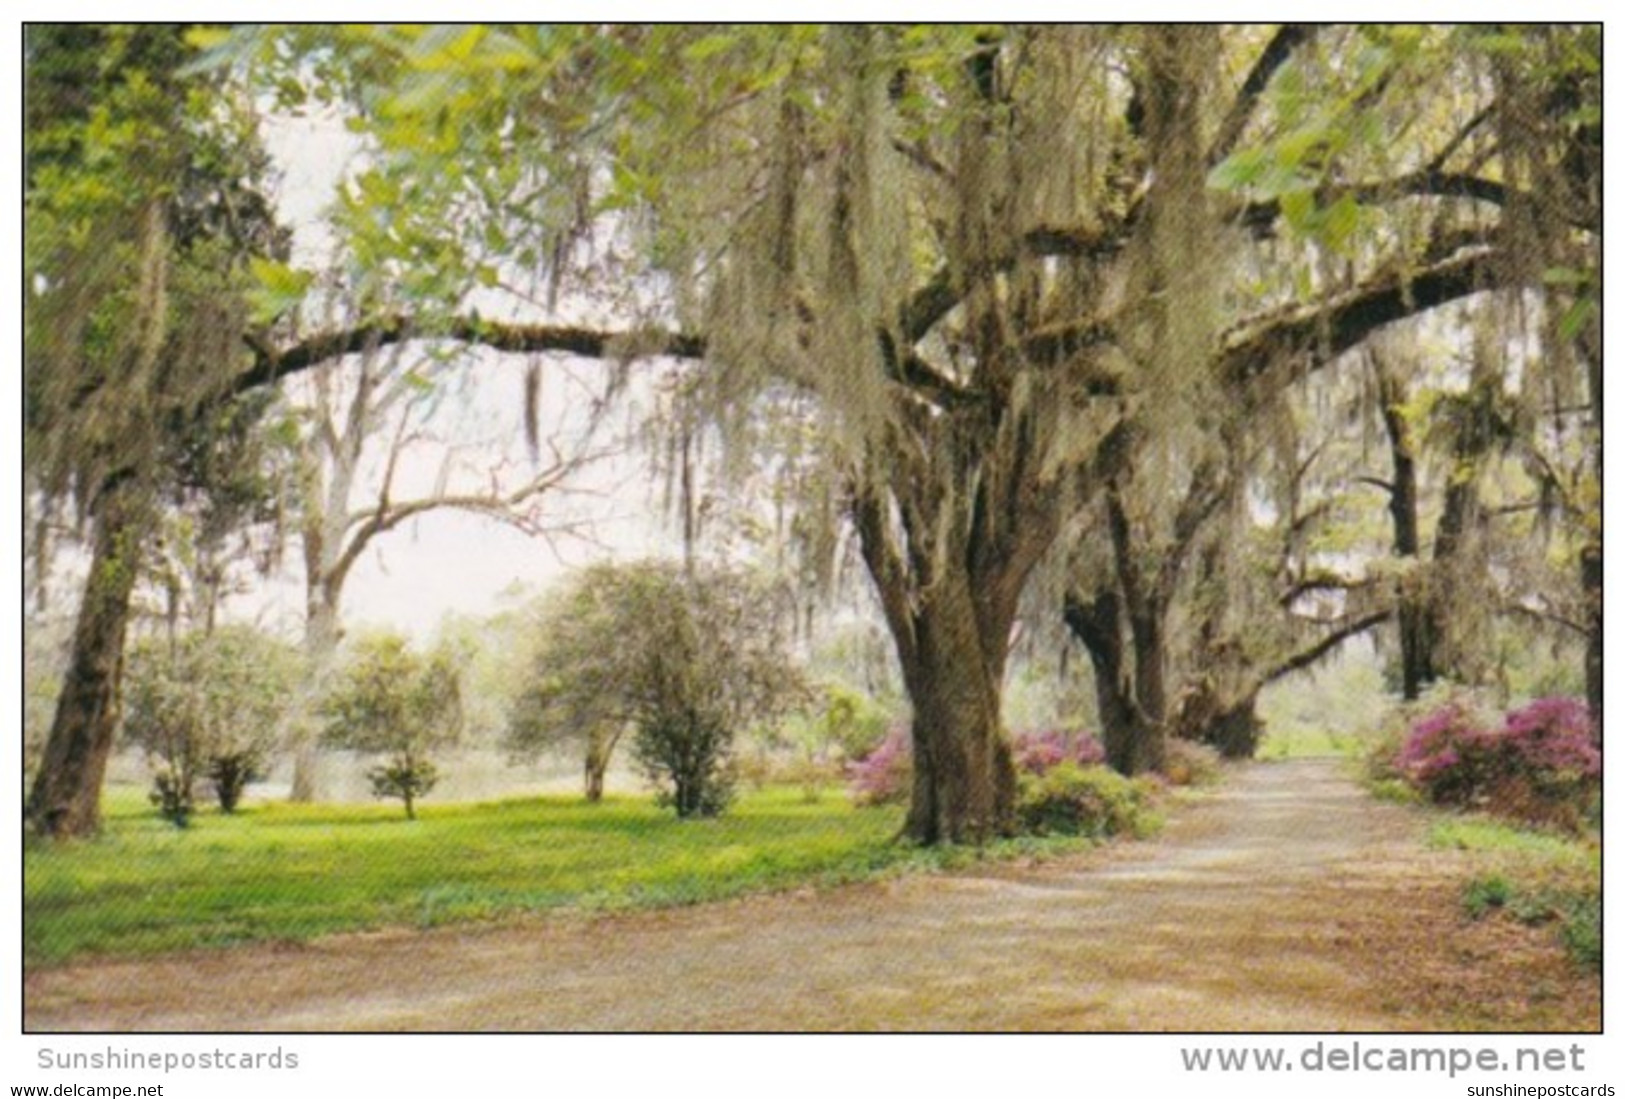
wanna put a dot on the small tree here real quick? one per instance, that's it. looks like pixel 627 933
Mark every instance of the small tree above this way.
pixel 683 659
pixel 393 701
pixel 558 712
pixel 207 705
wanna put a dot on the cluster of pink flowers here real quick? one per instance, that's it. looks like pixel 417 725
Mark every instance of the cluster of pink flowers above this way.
pixel 1557 734
pixel 1455 757
pixel 884 775
pixel 1036 751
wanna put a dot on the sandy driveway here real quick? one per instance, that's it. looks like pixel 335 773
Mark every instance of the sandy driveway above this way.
pixel 1286 900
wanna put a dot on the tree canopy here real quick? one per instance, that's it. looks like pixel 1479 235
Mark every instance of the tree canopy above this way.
pixel 1047 301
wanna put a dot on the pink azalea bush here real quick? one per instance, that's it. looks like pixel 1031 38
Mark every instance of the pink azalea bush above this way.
pixel 884 776
pixel 1037 750
pixel 1540 763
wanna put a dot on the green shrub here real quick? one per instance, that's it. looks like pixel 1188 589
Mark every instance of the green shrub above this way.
pixel 1484 894
pixel 1082 801
pixel 689 760
pixel 1582 929
pixel 406 777
pixel 1578 912
pixel 852 721
pixel 172 794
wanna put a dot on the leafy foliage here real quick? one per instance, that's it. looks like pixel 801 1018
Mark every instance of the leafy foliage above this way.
pixel 852 722
pixel 1073 800
pixel 685 661
pixel 208 706
pixel 146 204
pixel 172 795
pixel 391 700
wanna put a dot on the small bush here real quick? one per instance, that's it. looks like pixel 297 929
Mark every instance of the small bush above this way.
pixel 172 794
pixel 1448 755
pixel 231 772
pixel 886 775
pixel 852 722
pixel 1081 801
pixel 1035 751
pixel 406 778
pixel 1485 894
pixel 1191 764
pixel 1541 764
pixel 1578 913
pixel 1582 929
pixel 688 758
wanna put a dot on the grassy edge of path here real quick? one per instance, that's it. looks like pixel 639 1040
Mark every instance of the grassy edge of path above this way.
pixel 291 873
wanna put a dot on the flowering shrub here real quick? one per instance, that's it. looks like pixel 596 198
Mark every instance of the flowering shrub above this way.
pixel 1036 751
pixel 885 774
pixel 1556 736
pixel 1540 763
pixel 1449 755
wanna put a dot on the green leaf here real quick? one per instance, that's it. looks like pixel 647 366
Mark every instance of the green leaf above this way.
pixel 1238 171
pixel 423 93
pixel 1340 222
pixel 1298 207
pixel 1575 318
pixel 206 38
pixel 281 288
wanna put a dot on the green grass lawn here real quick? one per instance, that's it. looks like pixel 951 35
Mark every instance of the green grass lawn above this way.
pixel 286 872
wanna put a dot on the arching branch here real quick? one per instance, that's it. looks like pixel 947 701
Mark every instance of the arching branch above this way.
pixel 1303 658
pixel 1277 53
pixel 1328 328
pixel 272 363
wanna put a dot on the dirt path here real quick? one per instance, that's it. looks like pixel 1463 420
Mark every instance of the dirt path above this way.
pixel 1285 900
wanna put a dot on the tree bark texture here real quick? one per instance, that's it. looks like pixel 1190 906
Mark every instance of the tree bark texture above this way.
pixel 964 779
pixel 66 796
pixel 1415 616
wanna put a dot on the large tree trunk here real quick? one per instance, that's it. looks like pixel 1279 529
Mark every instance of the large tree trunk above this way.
pixel 1416 620
pixel 600 748
pixel 950 608
pixel 964 779
pixel 1228 723
pixel 1151 691
pixel 66 798
pixel 1591 560
pixel 321 643
pixel 1132 747
pixel 1591 583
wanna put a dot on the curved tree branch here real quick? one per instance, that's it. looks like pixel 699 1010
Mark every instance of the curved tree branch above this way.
pixel 1330 327
pixel 1276 54
pixel 1303 658
pixel 272 363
